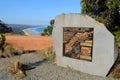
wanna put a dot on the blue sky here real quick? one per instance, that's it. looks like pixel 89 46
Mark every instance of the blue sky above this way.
pixel 35 12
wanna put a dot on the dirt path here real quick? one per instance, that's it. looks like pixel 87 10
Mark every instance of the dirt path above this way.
pixel 29 42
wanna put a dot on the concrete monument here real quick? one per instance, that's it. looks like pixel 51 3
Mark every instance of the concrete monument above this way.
pixel 83 44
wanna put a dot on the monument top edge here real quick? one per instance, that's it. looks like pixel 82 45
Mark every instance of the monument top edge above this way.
pixel 81 16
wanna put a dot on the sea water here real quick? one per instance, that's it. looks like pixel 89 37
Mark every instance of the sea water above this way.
pixel 36 31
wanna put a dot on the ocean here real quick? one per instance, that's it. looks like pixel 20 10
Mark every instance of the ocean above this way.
pixel 36 31
pixel 32 29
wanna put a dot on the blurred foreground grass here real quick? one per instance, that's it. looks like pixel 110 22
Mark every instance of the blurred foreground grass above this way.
pixel 48 53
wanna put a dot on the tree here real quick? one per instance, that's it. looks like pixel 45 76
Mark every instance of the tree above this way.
pixel 48 30
pixel 4 28
pixel 52 22
pixel 105 11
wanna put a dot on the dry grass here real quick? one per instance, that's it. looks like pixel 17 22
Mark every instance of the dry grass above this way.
pixel 15 67
pixel 115 71
pixel 7 51
pixel 48 53
pixel 29 42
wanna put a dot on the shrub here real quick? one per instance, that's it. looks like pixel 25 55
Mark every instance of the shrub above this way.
pixel 48 53
pixel 44 34
pixel 8 50
pixel 48 30
pixel 2 40
pixel 15 67
pixel 117 35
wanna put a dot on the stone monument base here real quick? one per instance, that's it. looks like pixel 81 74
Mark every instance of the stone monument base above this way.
pixel 84 44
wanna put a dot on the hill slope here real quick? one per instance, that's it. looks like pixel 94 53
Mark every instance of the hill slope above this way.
pixel 29 42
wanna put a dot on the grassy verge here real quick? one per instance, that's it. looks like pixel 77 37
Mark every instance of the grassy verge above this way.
pixel 48 53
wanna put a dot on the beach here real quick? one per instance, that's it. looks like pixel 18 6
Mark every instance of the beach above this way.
pixel 33 31
pixel 26 32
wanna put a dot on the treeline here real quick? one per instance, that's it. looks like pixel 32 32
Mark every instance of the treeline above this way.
pixel 4 28
pixel 48 31
pixel 104 11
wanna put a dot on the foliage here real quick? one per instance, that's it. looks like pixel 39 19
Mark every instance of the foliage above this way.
pixel 48 30
pixel 6 50
pixel 43 34
pixel 48 53
pixel 117 35
pixel 105 11
pixel 15 67
pixel 4 28
pixel 52 22
pixel 2 40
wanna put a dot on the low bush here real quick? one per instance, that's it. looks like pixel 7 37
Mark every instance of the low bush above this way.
pixel 7 51
pixel 44 34
pixel 15 67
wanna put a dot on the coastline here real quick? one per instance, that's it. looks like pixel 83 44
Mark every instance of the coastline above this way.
pixel 33 31
pixel 27 32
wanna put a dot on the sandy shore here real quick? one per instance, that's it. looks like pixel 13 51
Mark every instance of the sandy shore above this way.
pixel 26 32
pixel 29 42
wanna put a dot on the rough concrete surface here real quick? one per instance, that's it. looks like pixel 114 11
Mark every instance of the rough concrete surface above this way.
pixel 104 51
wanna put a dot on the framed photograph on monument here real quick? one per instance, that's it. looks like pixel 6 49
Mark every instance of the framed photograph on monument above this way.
pixel 78 43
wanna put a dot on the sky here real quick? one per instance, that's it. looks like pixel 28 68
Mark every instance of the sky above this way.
pixel 35 12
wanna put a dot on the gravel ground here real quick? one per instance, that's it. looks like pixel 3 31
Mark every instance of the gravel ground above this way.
pixel 44 70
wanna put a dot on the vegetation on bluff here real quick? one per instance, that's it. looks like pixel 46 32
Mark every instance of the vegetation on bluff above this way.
pixel 105 11
pixel 4 28
pixel 48 30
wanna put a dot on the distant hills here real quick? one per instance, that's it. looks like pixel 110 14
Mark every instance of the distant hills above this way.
pixel 17 28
